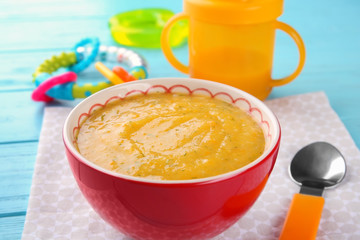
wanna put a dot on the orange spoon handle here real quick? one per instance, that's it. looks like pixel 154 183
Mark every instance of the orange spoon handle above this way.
pixel 303 218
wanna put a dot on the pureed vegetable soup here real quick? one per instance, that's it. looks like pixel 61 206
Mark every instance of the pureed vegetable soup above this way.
pixel 170 137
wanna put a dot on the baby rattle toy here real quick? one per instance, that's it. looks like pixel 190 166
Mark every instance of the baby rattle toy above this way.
pixel 56 77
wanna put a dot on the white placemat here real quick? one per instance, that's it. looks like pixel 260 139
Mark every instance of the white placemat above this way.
pixel 57 210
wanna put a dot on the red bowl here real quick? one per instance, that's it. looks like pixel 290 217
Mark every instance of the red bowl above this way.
pixel 176 209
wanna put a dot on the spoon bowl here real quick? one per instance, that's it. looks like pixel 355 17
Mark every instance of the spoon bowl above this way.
pixel 318 165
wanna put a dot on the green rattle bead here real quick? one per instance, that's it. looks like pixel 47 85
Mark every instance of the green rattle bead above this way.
pixel 54 63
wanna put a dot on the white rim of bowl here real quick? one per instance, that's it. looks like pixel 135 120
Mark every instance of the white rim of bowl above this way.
pixel 220 177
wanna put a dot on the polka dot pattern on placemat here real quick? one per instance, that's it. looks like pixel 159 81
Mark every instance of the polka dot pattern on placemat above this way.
pixel 57 209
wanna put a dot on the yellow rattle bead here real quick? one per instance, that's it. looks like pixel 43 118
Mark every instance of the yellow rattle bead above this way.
pixel 113 78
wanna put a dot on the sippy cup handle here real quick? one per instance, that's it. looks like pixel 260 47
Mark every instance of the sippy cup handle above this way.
pixel 300 44
pixel 165 45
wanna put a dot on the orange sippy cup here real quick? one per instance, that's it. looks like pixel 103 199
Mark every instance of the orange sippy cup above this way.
pixel 232 42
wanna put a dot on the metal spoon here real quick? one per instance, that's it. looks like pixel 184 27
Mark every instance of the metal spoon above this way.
pixel 316 167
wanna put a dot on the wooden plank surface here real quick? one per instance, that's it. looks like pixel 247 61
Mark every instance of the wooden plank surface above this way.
pixel 32 31
pixel 17 165
pixel 9 227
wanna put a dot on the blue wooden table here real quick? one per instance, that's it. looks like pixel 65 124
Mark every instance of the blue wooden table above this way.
pixel 32 31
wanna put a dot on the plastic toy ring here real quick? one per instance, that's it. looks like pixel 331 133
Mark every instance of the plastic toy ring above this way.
pixel 143 27
pixel 40 92
pixel 56 77
pixel 85 62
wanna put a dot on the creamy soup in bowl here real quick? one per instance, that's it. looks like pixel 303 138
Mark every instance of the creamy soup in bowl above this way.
pixel 169 136
pixel 171 158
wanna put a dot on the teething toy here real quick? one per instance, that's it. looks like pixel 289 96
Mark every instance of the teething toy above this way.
pixel 52 82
